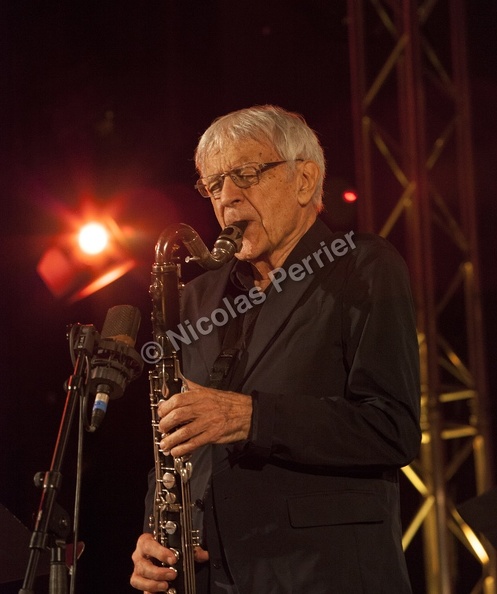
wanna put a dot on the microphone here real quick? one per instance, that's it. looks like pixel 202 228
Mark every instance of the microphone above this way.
pixel 115 363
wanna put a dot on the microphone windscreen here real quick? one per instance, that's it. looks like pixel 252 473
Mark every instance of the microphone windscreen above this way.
pixel 122 323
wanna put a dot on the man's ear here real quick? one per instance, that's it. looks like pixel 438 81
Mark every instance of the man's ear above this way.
pixel 308 179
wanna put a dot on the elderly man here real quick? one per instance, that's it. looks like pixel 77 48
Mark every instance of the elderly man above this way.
pixel 320 407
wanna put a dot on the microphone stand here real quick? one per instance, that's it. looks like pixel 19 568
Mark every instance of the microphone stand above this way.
pixel 47 533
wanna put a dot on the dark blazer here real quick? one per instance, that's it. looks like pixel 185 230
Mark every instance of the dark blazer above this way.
pixel 310 502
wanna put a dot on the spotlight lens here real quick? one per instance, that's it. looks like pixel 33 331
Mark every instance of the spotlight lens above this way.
pixel 93 238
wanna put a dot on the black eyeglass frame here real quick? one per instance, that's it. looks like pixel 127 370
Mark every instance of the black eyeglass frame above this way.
pixel 259 169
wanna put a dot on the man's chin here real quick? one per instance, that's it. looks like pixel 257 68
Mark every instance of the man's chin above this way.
pixel 246 255
pixel 252 247
pixel 241 256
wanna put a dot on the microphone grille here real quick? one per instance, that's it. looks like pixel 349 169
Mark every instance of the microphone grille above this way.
pixel 122 323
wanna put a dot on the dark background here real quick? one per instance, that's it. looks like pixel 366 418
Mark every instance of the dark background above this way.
pixel 104 102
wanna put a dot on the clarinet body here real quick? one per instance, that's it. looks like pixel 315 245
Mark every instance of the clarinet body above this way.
pixel 171 521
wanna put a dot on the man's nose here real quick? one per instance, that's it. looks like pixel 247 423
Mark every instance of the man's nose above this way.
pixel 230 193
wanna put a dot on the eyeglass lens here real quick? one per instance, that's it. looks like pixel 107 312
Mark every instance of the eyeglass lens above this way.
pixel 243 177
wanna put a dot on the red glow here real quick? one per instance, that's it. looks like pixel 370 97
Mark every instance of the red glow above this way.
pixel 349 196
pixel 74 269
pixel 109 276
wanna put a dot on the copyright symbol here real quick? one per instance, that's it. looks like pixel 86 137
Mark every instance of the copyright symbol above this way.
pixel 151 352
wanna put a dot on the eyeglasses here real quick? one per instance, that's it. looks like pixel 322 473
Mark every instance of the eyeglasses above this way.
pixel 244 176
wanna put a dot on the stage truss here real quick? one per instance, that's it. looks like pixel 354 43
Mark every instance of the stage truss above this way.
pixel 414 176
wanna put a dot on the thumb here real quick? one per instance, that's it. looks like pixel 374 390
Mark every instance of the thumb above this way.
pixel 201 556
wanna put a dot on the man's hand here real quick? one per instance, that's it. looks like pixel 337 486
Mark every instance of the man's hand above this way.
pixel 201 416
pixel 147 576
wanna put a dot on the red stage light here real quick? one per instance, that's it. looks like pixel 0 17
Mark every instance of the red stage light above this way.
pixel 349 196
pixel 82 262
pixel 93 238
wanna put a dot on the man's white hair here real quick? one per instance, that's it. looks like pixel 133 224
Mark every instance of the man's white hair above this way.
pixel 286 131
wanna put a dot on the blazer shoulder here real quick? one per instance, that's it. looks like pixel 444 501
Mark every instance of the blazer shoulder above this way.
pixel 369 248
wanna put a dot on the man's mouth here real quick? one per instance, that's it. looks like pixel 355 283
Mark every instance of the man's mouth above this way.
pixel 235 222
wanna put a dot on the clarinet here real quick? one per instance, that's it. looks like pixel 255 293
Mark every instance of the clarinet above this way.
pixel 171 522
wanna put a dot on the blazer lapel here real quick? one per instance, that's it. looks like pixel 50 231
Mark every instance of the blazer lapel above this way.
pixel 279 305
pixel 273 317
pixel 275 311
